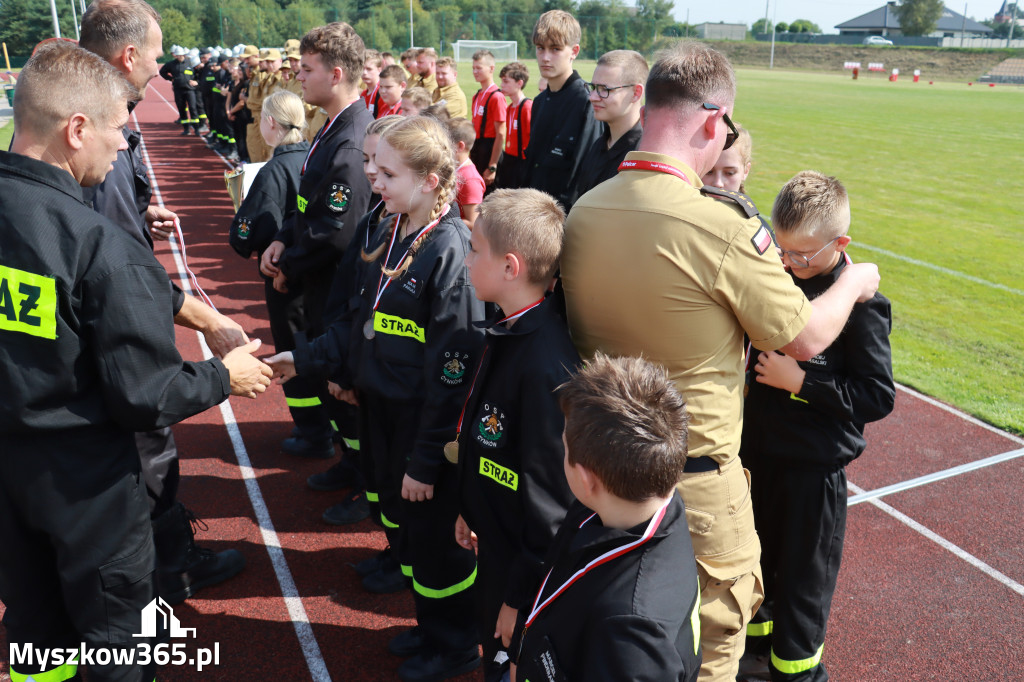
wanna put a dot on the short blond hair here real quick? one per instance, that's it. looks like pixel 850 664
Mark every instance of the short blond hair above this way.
pixel 373 56
pixel 557 28
pixel 526 222
pixel 447 61
pixel 62 79
pixel 812 204
pixel 632 64
pixel 428 52
pixel 286 108
pixel 418 97
pixel 688 74
pixel 461 130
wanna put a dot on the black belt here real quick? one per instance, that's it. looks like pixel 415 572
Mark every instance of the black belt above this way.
pixel 698 465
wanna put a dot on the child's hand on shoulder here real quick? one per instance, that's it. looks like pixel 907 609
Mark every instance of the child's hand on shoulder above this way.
pixel 779 371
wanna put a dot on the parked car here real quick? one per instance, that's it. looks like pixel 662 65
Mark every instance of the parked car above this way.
pixel 877 40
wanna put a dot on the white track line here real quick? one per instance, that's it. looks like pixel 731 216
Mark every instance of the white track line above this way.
pixel 939 268
pixel 945 544
pixel 292 599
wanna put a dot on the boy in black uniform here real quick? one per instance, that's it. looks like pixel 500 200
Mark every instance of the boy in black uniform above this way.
pixel 87 357
pixel 815 412
pixel 620 598
pixel 513 493
pixel 333 194
pixel 563 125
pixel 184 84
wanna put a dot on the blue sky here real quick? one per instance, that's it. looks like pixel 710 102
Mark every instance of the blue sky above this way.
pixel 825 13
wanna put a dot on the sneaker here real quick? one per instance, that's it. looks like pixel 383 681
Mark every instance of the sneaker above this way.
pixel 386 581
pixel 341 475
pixel 436 667
pixel 352 510
pixel 300 447
pixel 380 560
pixel 408 643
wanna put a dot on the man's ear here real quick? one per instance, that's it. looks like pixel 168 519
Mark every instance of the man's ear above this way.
pixel 514 266
pixel 638 92
pixel 337 75
pixel 126 60
pixel 710 123
pixel 575 51
pixel 74 132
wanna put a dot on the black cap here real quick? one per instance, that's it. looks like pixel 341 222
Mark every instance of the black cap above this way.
pixel 205 50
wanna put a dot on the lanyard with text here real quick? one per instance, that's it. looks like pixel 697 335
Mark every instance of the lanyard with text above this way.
pixel 654 166
pixel 316 140
pixel 539 606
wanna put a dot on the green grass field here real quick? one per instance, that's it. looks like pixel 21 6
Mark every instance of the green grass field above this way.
pixel 934 175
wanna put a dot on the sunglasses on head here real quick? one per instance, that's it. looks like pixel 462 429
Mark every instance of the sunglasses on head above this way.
pixel 731 136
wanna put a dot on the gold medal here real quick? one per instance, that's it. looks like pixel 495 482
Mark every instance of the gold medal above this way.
pixel 368 329
pixel 451 451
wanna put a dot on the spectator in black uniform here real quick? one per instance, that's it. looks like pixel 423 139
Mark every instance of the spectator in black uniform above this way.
pixel 183 82
pixel 87 357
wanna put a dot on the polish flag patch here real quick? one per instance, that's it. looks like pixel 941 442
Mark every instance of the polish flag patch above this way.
pixel 762 241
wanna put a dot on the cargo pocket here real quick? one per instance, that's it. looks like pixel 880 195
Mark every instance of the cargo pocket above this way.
pixel 128 587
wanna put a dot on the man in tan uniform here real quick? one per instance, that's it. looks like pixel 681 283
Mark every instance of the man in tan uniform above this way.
pixel 652 267
pixel 448 89
pixel 259 90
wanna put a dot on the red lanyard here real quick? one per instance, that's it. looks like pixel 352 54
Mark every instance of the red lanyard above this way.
pixel 382 286
pixel 393 110
pixel 368 96
pixel 657 166
pixel 316 140
pixel 519 313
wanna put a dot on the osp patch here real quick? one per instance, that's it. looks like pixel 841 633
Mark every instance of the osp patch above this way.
pixel 338 198
pixel 453 372
pixel 490 426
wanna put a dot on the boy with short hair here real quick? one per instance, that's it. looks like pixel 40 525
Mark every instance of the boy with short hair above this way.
pixel 513 493
pixel 512 165
pixel 616 94
pixel 448 88
pixel 815 412
pixel 414 100
pixel 563 126
pixel 620 599
pixel 390 88
pixel 371 80
pixel 488 117
pixel 471 185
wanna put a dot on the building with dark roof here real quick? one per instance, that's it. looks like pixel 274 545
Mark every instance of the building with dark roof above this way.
pixel 884 22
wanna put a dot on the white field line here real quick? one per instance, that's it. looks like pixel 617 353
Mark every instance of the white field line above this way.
pixel 293 601
pixel 939 268
pixel 945 544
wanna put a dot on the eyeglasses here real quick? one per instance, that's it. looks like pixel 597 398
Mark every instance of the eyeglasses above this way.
pixel 603 91
pixel 798 260
pixel 731 136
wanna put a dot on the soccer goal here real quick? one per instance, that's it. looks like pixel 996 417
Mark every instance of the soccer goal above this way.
pixel 504 51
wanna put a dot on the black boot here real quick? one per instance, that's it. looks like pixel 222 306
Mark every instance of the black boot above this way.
pixel 184 132
pixel 182 566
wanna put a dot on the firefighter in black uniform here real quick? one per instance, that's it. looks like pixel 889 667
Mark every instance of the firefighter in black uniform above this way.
pixel 220 126
pixel 333 194
pixel 87 356
pixel 183 81
pixel 203 74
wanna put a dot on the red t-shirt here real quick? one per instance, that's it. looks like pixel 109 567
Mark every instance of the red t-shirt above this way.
pixel 372 99
pixel 495 111
pixel 518 124
pixel 471 186
pixel 384 110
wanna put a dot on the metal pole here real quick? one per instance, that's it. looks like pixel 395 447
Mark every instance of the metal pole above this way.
pixel 1013 22
pixel 963 26
pixel 411 41
pixel 56 22
pixel 766 15
pixel 220 24
pixel 771 60
pixel 74 20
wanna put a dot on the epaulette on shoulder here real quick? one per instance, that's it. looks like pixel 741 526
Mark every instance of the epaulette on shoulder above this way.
pixel 738 198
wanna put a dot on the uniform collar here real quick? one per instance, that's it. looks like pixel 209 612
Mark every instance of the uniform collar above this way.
pixel 296 147
pixel 690 174
pixel 40 171
pixel 531 321
pixel 595 538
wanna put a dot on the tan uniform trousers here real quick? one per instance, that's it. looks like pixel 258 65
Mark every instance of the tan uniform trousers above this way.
pixel 258 148
pixel 721 521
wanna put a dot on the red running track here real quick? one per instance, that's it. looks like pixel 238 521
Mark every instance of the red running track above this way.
pixel 931 580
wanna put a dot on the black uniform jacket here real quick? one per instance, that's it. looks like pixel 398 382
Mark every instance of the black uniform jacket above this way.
pixel 846 386
pixel 512 485
pixel 561 132
pixel 179 73
pixel 272 194
pixel 425 344
pixel 333 193
pixel 87 349
pixel 601 163
pixel 631 618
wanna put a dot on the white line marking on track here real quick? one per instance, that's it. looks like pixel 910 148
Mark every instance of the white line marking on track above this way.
pixel 939 268
pixel 945 544
pixel 933 477
pixel 293 601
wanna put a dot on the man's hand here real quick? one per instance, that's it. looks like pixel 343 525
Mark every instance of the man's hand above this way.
pixel 866 275
pixel 488 176
pixel 268 264
pixel 160 221
pixel 249 376
pixel 780 371
pixel 463 535
pixel 506 624
pixel 223 335
pixel 283 366
pixel 414 491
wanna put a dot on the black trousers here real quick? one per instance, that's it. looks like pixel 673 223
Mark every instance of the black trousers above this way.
pixel 188 114
pixel 511 173
pixel 158 454
pixel 77 564
pixel 800 517
pixel 422 534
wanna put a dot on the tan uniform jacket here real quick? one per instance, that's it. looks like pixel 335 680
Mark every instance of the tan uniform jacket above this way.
pixel 454 100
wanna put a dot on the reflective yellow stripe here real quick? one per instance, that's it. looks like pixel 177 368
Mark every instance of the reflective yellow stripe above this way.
pixel 28 303
pixel 794 667
pixel 406 570
pixel 695 623
pixel 302 203
pixel 372 497
pixel 446 592
pixel 760 629
pixel 302 402
pixel 334 425
pixel 398 326
pixel 794 396
pixel 498 473
pixel 65 672
pixel 385 520
pixel 352 443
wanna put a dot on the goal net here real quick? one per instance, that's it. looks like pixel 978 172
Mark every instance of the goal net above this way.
pixel 503 50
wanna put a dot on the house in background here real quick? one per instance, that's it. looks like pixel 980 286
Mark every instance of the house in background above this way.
pixel 884 22
pixel 722 31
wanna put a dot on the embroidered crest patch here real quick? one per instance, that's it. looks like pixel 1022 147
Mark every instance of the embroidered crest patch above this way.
pixel 338 198
pixel 490 426
pixel 453 372
pixel 244 228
